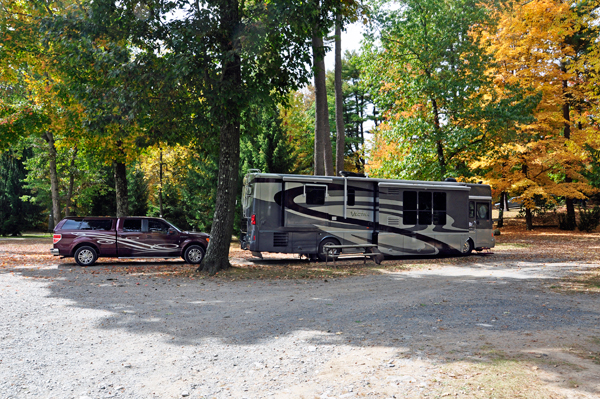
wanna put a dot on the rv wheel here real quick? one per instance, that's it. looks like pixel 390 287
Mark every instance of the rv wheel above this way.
pixel 467 247
pixel 328 241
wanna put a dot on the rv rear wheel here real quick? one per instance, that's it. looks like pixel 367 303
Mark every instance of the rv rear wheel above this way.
pixel 328 241
pixel 467 247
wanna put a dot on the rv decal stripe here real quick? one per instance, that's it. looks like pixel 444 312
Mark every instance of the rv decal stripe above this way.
pixel 292 193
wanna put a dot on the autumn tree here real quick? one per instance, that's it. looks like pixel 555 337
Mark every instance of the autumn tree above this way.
pixel 537 45
pixel 430 83
pixel 32 104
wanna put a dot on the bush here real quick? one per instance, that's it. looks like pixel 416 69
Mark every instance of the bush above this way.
pixel 589 219
pixel 565 222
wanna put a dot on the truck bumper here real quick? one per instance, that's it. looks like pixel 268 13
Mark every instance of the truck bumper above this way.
pixel 54 251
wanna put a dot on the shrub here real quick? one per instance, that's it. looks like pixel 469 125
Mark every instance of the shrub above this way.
pixel 589 219
pixel 565 222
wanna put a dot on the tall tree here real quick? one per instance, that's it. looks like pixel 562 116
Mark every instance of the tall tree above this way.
pixel 430 80
pixel 357 109
pixel 340 142
pixel 536 45
pixel 323 153
pixel 31 103
pixel 228 54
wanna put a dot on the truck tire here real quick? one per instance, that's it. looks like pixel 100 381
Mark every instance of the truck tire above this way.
pixel 193 254
pixel 85 256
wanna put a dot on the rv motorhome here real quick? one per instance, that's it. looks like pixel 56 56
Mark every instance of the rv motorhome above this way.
pixel 302 214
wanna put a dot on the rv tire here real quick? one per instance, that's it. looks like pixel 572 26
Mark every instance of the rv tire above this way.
pixel 331 241
pixel 467 247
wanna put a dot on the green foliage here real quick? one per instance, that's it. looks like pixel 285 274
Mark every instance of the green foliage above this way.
pixel 298 122
pixel 357 109
pixel 429 81
pixel 199 190
pixel 589 219
pixel 137 190
pixel 17 212
pixel 265 145
pixel 592 170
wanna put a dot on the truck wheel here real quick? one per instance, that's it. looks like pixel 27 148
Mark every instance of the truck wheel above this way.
pixel 85 256
pixel 193 254
pixel 330 241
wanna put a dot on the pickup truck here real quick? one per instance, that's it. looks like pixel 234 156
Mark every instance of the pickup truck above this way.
pixel 88 238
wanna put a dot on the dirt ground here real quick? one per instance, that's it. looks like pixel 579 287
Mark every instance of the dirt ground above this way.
pixel 520 322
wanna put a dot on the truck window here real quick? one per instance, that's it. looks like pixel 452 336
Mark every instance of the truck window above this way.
pixel 96 225
pixel 132 225
pixel 71 225
pixel 157 226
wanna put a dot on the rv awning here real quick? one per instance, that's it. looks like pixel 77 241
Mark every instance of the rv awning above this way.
pixel 417 186
pixel 480 198
pixel 307 179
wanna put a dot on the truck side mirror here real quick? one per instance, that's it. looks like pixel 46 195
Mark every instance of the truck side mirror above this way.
pixel 171 231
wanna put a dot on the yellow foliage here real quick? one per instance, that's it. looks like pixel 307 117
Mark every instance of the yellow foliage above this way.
pixel 532 49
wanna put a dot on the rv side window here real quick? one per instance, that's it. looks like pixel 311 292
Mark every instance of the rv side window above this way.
pixel 439 208
pixel 315 195
pixel 424 207
pixel 429 207
pixel 409 207
pixel 472 209
pixel 483 211
pixel 351 200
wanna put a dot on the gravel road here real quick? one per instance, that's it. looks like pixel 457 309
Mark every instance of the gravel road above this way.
pixel 68 332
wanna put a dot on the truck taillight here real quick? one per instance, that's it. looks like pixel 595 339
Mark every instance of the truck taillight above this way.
pixel 56 238
pixel 253 219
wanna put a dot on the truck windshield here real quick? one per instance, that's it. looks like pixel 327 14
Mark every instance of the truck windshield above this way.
pixel 173 226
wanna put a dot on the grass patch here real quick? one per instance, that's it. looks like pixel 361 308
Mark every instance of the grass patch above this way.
pixel 496 375
pixel 587 281
pixel 508 245
pixel 589 350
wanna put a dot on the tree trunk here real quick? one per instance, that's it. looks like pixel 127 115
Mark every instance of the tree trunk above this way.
pixel 323 152
pixel 49 137
pixel 217 255
pixel 340 143
pixel 528 219
pixel 501 210
pixel 120 171
pixel 71 183
pixel 528 214
pixel 160 184
pixel 567 134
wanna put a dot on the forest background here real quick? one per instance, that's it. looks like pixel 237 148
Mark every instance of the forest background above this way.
pixel 159 107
